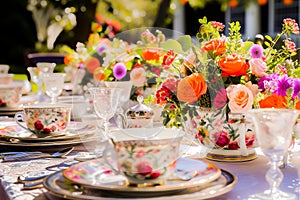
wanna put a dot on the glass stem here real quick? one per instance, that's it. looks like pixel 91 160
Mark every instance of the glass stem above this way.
pixel 274 177
pixel 53 100
pixel 106 126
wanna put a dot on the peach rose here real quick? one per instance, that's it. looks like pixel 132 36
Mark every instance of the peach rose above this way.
pixel 252 87
pixel 138 76
pixel 191 88
pixel 233 65
pixel 258 67
pixel 240 98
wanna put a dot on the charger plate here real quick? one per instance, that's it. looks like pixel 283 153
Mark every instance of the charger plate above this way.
pixel 12 132
pixel 96 174
pixel 59 187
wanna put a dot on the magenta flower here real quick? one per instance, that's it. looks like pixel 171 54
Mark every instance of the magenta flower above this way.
pixel 119 71
pixel 221 98
pixel 296 88
pixel 256 51
pixel 222 138
pixel 283 84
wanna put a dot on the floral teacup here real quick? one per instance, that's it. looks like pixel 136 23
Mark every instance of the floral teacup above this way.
pixel 44 119
pixel 145 156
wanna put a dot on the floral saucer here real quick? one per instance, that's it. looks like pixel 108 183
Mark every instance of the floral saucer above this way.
pixel 96 174
pixel 11 131
pixel 61 188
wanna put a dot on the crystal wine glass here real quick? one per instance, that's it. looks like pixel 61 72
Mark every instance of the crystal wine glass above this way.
pixel 105 101
pixel 274 129
pixel 54 84
pixel 36 74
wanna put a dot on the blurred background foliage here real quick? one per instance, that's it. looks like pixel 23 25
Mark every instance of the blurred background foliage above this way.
pixel 19 28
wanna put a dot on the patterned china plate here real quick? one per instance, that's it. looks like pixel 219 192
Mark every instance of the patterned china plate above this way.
pixel 12 132
pixel 96 174
pixel 61 188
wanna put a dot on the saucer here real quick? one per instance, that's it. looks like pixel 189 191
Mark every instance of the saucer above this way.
pixel 96 174
pixel 11 131
pixel 58 187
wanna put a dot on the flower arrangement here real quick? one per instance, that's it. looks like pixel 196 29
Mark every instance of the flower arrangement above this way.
pixel 228 76
pixel 143 62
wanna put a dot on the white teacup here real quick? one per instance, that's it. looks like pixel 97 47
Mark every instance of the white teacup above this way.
pixel 44 119
pixel 146 156
pixel 4 68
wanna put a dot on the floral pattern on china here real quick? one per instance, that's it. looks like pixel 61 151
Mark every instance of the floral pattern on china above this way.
pixel 47 122
pixel 229 76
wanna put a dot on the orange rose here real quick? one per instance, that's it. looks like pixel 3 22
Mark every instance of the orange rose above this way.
pixel 92 64
pixel 217 45
pixel 67 59
pixel 151 54
pixel 298 105
pixel 98 74
pixel 191 88
pixel 233 65
pixel 273 101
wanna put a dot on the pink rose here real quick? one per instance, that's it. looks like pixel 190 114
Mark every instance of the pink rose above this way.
pixel 144 168
pixel 138 76
pixel 222 138
pixel 240 98
pixel 250 138
pixel 233 145
pixel 258 67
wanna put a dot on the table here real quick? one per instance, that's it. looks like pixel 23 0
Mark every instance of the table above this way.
pixel 250 175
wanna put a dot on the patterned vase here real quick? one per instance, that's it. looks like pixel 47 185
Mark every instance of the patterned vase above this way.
pixel 228 138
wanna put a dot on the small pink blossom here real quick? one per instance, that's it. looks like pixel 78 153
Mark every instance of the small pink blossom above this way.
pixel 282 69
pixel 290 46
pixel 291 25
pixel 140 153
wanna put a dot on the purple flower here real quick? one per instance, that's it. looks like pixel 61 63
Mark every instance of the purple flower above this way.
pixel 101 48
pixel 119 71
pixel 296 88
pixel 80 66
pixel 283 84
pixel 261 84
pixel 256 51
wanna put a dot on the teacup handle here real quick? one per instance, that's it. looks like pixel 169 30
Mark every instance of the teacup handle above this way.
pixel 110 157
pixel 20 117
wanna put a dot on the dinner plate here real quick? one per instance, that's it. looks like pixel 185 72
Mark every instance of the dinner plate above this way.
pixel 12 132
pixel 97 174
pixel 59 187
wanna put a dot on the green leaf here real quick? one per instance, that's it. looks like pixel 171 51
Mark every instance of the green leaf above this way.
pixel 267 44
pixel 247 45
pixel 172 45
pixel 268 37
pixel 186 42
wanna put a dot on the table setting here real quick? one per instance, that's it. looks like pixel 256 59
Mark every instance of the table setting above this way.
pixel 138 162
pixel 218 135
